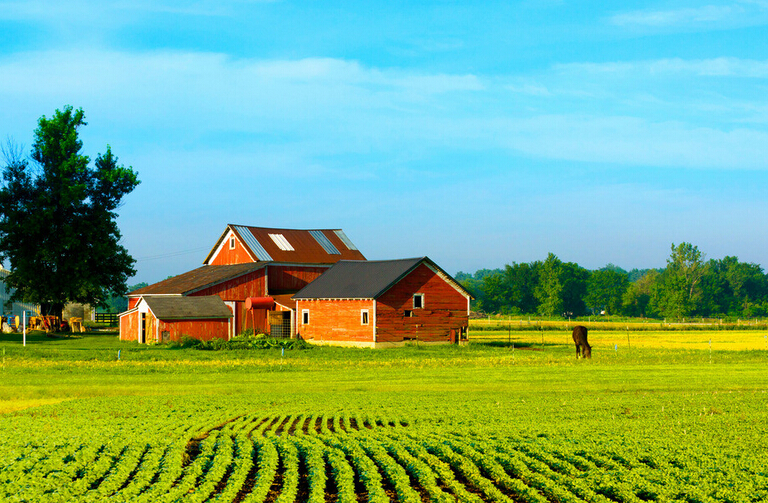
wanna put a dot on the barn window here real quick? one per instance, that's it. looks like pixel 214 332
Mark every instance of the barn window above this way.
pixel 418 301
pixel 305 316
pixel 363 316
pixel 408 313
pixel 232 243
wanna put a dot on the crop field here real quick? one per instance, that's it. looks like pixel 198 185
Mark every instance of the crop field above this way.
pixel 484 422
pixel 613 341
pixel 598 323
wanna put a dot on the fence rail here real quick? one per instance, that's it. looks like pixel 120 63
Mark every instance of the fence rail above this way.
pixel 110 318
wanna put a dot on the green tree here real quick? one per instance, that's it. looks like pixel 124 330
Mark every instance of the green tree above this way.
pixel 605 290
pixel 492 295
pixel 474 283
pixel 733 288
pixel 549 291
pixel 635 301
pixel 677 294
pixel 57 219
pixel 574 279
pixel 520 282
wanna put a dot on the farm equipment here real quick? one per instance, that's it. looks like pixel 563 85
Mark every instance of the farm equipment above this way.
pixel 49 323
pixel 76 325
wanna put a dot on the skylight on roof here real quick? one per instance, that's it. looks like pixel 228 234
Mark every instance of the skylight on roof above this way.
pixel 324 242
pixel 345 240
pixel 281 242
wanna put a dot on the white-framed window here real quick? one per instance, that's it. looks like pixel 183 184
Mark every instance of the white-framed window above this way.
pixel 363 316
pixel 418 301
pixel 232 243
pixel 305 316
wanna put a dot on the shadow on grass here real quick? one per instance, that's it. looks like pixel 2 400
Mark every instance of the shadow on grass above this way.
pixel 38 337
pixel 523 346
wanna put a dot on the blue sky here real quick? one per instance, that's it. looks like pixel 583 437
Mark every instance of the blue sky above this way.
pixel 477 133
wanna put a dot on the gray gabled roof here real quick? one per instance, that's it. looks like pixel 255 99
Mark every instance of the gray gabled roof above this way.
pixel 356 279
pixel 185 308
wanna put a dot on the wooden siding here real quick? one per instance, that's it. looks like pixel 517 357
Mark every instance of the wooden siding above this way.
pixel 252 284
pixel 129 327
pixel 199 329
pixel 335 320
pixel 238 289
pixel 237 256
pixel 445 309
pixel 132 301
pixel 292 278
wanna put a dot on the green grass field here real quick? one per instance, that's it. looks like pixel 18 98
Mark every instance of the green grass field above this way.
pixel 662 418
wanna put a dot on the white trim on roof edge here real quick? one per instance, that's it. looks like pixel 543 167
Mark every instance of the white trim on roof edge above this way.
pixel 135 295
pixel 448 279
pixel 229 233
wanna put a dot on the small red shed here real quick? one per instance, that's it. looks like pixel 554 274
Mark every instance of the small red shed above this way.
pixel 383 303
pixel 168 318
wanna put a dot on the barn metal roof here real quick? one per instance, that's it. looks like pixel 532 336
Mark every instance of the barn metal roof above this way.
pixel 185 308
pixel 252 243
pixel 351 279
pixel 197 279
pixel 294 246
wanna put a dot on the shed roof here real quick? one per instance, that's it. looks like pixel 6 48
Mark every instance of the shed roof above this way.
pixel 285 300
pixel 197 279
pixel 297 246
pixel 185 308
pixel 349 279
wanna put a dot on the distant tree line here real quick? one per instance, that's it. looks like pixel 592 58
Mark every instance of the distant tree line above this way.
pixel 689 286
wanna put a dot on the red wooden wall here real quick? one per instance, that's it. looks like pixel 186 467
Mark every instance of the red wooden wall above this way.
pixel 335 320
pixel 199 329
pixel 292 278
pixel 237 256
pixel 252 284
pixel 445 309
pixel 129 327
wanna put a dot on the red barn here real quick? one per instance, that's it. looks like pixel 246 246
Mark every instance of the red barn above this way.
pixel 383 303
pixel 254 271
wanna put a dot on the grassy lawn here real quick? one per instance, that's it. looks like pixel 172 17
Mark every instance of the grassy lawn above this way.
pixel 665 393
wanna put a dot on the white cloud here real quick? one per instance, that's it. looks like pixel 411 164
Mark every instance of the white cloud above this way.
pixel 529 89
pixel 657 18
pixel 714 67
pixel 83 11
pixel 289 113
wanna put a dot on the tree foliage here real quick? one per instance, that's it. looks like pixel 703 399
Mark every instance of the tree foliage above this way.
pixel 549 291
pixel 58 216
pixel 605 291
pixel 678 292
pixel 688 286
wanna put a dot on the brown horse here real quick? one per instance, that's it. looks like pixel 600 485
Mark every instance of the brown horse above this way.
pixel 583 348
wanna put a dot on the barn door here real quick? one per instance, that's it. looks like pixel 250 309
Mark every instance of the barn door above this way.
pixel 143 329
pixel 233 322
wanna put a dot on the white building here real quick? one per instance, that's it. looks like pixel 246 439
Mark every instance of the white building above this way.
pixel 8 307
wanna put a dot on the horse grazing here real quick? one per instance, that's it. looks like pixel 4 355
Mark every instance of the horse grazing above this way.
pixel 583 348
